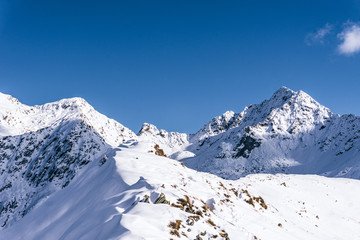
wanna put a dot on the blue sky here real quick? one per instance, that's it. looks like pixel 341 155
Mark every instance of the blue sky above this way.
pixel 177 64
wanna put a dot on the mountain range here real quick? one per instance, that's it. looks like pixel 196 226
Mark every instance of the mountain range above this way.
pixel 287 165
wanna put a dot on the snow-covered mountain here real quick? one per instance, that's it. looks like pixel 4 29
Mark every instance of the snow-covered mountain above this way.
pixel 289 133
pixel 69 172
pixel 42 148
pixel 17 118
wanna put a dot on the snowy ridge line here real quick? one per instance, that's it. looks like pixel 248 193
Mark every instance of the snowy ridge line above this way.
pixel 52 149
pixel 289 133
pixel 42 148
pixel 17 118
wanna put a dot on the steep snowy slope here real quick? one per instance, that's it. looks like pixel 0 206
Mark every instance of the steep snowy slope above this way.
pixel 289 133
pixel 36 164
pixel 43 147
pixel 138 195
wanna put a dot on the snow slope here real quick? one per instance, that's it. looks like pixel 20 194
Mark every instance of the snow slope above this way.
pixel 110 202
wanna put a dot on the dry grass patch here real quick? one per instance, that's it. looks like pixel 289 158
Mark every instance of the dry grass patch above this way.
pixel 251 199
pixel 175 225
pixel 209 221
pixel 261 201
pixel 195 218
pixel 175 233
pixel 159 151
pixel 234 191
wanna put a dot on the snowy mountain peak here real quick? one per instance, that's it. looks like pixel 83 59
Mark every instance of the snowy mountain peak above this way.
pixel 217 125
pixel 71 104
pixel 44 147
pixel 281 96
pixel 251 115
pixel 8 102
pixel 289 132
pixel 170 142
pixel 283 108
pixel 285 96
pixel 149 129
pixel 228 115
pixel 297 112
pixel 284 91
pixel 17 118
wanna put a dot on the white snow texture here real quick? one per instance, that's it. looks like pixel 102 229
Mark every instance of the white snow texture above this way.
pixel 287 168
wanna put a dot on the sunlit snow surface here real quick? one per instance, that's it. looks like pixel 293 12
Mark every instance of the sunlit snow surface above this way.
pixel 103 203
pixel 69 172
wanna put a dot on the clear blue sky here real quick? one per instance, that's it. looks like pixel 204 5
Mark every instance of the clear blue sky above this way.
pixel 177 64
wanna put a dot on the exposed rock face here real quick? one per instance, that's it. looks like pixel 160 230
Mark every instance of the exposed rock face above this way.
pixel 245 146
pixel 33 165
pixel 161 200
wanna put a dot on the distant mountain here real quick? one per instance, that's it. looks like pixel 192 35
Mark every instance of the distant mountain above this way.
pixel 289 133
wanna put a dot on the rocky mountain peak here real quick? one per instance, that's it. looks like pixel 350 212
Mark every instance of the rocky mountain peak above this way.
pixel 283 93
pixel 8 102
pixel 148 129
pixel 251 115
pixel 227 115
pixel 75 104
pixel 170 142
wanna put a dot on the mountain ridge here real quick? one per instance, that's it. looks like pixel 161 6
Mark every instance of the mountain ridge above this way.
pixel 269 138
pixel 43 148
pixel 33 118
